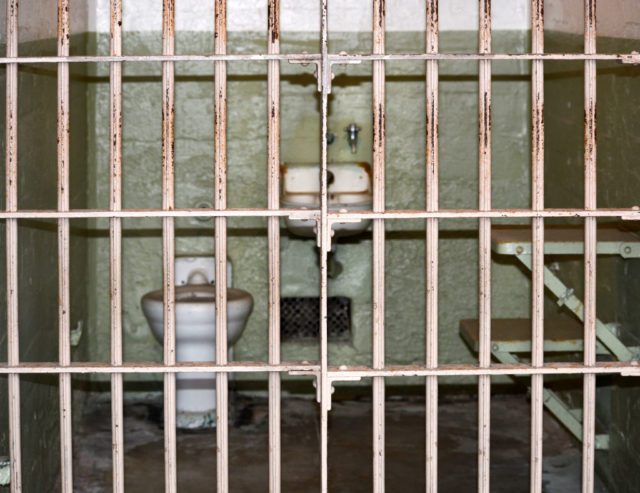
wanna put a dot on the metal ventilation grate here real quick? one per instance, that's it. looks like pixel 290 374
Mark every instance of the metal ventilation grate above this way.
pixel 300 318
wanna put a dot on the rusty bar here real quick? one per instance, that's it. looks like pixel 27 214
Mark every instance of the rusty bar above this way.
pixel 315 57
pixel 484 245
pixel 589 392
pixel 11 187
pixel 378 245
pixel 324 237
pixel 64 344
pixel 115 238
pixel 220 202
pixel 624 368
pixel 273 233
pixel 432 174
pixel 168 245
pixel 629 214
pixel 537 203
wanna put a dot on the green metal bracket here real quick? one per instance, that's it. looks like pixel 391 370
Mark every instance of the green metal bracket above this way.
pixel 570 418
pixel 566 297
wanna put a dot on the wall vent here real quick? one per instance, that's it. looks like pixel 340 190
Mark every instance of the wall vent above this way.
pixel 300 318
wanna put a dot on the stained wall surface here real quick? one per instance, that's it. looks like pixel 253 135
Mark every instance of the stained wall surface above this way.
pixel 38 243
pixel 618 186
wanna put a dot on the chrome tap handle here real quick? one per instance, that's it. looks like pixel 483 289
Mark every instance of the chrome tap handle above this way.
pixel 352 136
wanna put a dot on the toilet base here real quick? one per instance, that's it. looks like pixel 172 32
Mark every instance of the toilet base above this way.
pixel 196 397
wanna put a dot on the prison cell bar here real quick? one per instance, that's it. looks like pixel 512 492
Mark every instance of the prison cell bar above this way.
pixel 628 214
pixel 590 245
pixel 168 245
pixel 324 235
pixel 432 176
pixel 484 245
pixel 220 202
pixel 623 368
pixel 115 237
pixel 273 233
pixel 64 344
pixel 65 369
pixel 13 335
pixel 631 58
pixel 537 203
pixel 378 246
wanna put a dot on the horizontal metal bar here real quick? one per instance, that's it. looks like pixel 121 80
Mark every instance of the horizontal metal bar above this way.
pixel 335 372
pixel 161 58
pixel 627 214
pixel 159 213
pixel 622 57
pixel 155 367
pixel 335 216
pixel 614 367
pixel 629 58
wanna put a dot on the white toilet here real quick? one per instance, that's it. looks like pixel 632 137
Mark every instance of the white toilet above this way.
pixel 195 332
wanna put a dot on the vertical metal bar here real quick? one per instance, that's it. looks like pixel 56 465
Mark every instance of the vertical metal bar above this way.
pixel 484 254
pixel 64 344
pixel 13 336
pixel 115 236
pixel 220 202
pixel 589 392
pixel 432 163
pixel 378 245
pixel 537 204
pixel 324 231
pixel 273 224
pixel 168 244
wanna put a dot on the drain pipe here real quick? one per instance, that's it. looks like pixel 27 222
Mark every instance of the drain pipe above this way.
pixel 5 473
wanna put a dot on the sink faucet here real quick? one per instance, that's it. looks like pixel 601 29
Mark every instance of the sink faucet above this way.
pixel 352 136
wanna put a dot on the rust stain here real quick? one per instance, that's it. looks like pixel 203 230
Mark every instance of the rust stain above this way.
pixel 366 167
pixel 273 13
pixel 381 13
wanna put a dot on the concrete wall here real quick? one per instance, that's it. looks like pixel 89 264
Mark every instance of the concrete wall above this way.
pixel 37 242
pixel 351 101
pixel 618 186
pixel 615 18
pixel 304 15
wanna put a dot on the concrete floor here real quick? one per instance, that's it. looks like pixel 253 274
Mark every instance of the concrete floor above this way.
pixel 349 448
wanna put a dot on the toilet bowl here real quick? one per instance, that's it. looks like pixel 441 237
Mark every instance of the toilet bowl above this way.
pixel 195 333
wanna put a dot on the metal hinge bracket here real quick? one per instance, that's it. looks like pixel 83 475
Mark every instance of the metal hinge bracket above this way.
pixel 332 233
pixel 330 381
pixel 318 70
pixel 632 58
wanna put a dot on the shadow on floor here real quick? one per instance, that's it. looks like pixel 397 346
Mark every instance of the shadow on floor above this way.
pixel 350 440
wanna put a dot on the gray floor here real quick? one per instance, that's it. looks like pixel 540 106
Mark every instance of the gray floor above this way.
pixel 349 448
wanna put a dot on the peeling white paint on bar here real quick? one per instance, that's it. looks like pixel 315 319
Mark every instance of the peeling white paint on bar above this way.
pixel 304 15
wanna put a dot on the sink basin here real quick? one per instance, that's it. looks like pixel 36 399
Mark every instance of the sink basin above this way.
pixel 349 189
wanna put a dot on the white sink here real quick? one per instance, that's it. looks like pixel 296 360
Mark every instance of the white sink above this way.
pixel 350 189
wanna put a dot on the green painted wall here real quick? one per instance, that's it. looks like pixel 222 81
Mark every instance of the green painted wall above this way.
pixel 618 178
pixel 38 264
pixel 247 148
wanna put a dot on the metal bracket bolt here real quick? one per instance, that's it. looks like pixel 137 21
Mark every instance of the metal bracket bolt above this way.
pixel 567 294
